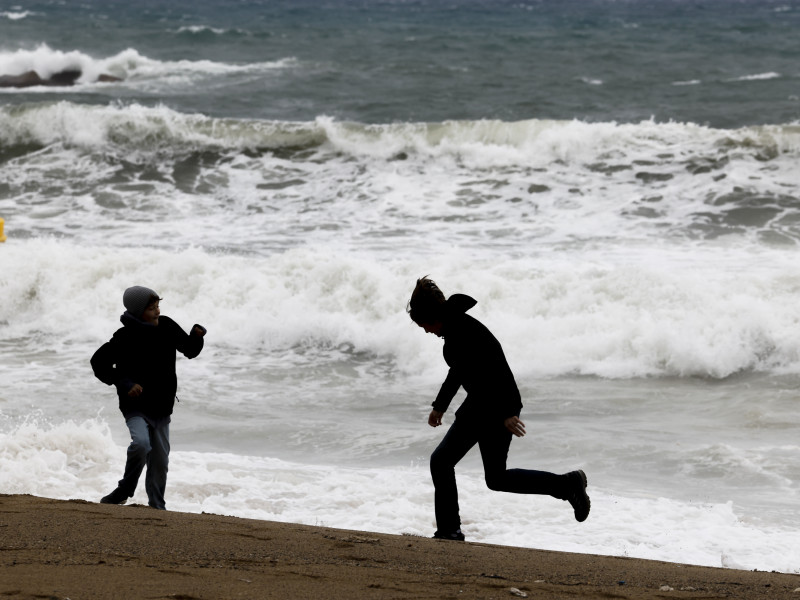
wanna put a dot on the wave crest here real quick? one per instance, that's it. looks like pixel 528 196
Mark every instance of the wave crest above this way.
pixel 554 316
pixel 137 127
pixel 134 68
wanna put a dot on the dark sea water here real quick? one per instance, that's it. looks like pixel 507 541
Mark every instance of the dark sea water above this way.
pixel 615 181
pixel 725 63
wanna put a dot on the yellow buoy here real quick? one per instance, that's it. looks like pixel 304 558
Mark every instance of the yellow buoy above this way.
pixel 2 224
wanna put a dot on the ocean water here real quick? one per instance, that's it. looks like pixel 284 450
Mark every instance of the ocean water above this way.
pixel 616 183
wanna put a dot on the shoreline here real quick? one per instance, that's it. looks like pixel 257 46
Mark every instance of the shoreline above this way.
pixel 78 549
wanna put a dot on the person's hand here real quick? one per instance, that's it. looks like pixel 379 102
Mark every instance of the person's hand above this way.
pixel 515 426
pixel 435 418
pixel 199 331
pixel 135 391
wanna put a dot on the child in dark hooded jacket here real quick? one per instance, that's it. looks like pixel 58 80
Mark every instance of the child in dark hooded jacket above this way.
pixel 139 361
pixel 489 415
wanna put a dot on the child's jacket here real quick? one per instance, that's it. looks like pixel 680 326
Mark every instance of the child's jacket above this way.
pixel 477 364
pixel 145 354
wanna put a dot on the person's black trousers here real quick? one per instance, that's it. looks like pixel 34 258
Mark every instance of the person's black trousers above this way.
pixel 493 440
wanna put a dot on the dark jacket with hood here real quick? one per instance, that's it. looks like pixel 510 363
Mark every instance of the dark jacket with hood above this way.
pixel 477 364
pixel 145 354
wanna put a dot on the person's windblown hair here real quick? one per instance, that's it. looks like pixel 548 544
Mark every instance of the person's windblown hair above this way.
pixel 427 302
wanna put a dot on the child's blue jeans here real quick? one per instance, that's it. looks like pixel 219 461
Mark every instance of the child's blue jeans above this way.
pixel 149 447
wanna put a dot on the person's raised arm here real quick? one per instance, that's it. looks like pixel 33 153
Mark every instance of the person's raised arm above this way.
pixel 190 344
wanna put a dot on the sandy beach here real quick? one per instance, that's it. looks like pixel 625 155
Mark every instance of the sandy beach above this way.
pixel 77 549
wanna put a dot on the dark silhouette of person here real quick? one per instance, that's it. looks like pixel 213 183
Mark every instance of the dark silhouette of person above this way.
pixel 488 417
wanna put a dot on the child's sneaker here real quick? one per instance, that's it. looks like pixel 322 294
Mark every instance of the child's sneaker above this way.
pixel 115 497
pixel 455 536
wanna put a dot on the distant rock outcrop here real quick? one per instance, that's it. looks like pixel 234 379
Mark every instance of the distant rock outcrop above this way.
pixel 63 78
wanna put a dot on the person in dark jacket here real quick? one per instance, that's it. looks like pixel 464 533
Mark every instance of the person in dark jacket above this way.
pixel 489 416
pixel 139 361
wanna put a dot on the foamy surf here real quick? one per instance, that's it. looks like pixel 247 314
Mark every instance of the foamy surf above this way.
pixel 506 185
pixel 488 143
pixel 80 460
pixel 648 317
pixel 133 68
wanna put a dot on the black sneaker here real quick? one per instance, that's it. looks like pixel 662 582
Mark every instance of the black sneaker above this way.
pixel 455 536
pixel 115 497
pixel 578 497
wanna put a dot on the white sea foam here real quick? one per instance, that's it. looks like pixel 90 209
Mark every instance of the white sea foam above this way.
pixel 200 29
pixel 502 185
pixel 47 62
pixel 645 317
pixel 593 272
pixel 15 15
pixel 487 143
pixel 758 76
pixel 80 460
pixel 129 65
pixel 152 130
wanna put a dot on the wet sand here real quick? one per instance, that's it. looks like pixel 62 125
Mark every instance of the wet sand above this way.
pixel 81 550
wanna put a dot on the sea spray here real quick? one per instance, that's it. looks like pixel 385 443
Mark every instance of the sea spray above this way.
pixel 648 317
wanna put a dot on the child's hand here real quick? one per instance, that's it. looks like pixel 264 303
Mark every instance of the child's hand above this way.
pixel 515 426
pixel 198 330
pixel 135 391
